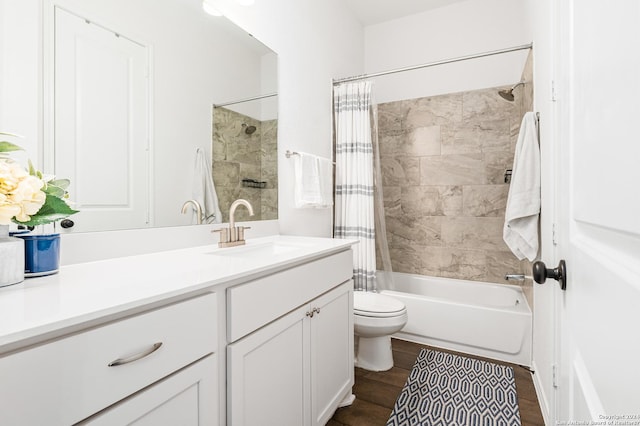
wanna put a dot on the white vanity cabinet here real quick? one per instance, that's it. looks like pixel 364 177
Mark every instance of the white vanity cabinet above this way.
pixel 168 353
pixel 291 364
pixel 254 335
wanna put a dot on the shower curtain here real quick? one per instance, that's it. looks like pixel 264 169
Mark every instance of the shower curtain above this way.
pixel 357 210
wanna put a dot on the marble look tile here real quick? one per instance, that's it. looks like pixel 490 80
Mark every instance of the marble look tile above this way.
pixel 253 196
pixel 495 165
pixel 409 230
pixel 391 196
pixel 244 150
pixel 416 259
pixel 514 131
pixel 486 104
pixel 435 110
pixel 420 141
pixel 399 171
pixel 463 169
pixel 449 223
pixel 270 176
pixel 484 200
pixel 391 117
pixel 269 200
pixel 269 132
pixel 219 148
pixel 405 259
pixel 477 137
pixel 250 171
pixel 389 142
pixel 473 232
pixel 226 196
pixel 432 200
pixel 500 263
pixel 462 264
pixel 226 174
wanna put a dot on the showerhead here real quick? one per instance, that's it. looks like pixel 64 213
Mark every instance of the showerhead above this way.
pixel 507 94
pixel 249 130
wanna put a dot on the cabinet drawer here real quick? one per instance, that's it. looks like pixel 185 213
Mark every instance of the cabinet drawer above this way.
pixel 68 379
pixel 252 305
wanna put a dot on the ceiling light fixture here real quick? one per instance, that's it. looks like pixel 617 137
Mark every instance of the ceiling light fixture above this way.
pixel 245 2
pixel 210 9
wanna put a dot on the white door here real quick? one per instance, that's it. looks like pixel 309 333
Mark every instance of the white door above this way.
pixel 101 123
pixel 599 211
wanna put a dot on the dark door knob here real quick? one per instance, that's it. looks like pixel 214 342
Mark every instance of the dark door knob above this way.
pixel 541 273
pixel 67 223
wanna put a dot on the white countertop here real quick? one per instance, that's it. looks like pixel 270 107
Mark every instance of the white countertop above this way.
pixel 80 294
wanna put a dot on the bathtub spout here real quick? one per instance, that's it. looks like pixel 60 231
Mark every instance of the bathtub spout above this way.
pixel 517 277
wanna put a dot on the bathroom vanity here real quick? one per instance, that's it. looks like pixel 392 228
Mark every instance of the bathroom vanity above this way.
pixel 257 334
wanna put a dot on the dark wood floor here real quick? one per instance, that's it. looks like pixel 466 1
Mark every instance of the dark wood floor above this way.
pixel 377 392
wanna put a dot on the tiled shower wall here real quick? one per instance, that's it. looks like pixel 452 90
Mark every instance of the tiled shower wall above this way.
pixel 236 156
pixel 443 164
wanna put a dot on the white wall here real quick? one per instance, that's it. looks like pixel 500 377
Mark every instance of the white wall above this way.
pixel 315 41
pixel 461 29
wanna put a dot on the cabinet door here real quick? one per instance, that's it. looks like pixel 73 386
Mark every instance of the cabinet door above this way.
pixel 188 397
pixel 268 374
pixel 331 351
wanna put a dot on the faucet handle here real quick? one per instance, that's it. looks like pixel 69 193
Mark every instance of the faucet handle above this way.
pixel 224 234
pixel 241 232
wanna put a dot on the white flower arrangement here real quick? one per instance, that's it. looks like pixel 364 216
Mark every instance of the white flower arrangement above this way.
pixel 26 197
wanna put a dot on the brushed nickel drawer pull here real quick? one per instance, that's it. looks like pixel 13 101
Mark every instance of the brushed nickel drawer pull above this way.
pixel 127 360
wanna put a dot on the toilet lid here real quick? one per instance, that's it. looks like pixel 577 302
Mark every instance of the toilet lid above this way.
pixel 375 304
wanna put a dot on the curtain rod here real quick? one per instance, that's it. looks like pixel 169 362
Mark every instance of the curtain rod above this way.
pixel 431 64
pixel 255 98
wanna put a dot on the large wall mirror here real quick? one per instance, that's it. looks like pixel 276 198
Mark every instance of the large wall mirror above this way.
pixel 135 90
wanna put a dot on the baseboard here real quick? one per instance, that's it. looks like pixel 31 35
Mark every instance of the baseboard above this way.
pixel 348 400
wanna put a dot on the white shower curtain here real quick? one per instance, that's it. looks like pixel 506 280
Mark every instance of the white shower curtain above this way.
pixel 354 203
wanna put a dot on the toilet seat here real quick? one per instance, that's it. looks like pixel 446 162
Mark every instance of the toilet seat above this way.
pixel 368 304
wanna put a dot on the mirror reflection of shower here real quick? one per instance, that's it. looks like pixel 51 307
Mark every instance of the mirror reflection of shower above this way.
pixel 245 155
pixel 507 94
pixel 249 130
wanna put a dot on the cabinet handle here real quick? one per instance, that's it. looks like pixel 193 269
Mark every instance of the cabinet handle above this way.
pixel 316 310
pixel 127 360
pixel 310 314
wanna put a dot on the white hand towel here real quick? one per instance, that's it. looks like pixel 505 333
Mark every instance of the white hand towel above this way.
pixel 523 203
pixel 204 190
pixel 312 181
pixel 325 170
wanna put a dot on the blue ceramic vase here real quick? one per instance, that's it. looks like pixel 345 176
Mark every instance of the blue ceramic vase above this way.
pixel 41 254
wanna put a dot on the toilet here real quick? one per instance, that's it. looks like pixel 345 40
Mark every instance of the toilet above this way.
pixel 376 318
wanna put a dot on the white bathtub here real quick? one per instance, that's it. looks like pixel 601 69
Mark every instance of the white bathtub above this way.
pixel 489 320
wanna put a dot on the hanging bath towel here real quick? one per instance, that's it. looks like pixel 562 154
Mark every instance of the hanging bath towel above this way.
pixel 204 190
pixel 523 203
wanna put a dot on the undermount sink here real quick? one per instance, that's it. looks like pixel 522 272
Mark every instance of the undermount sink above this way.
pixel 271 248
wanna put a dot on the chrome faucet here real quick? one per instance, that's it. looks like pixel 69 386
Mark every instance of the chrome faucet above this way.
pixel 196 207
pixel 234 235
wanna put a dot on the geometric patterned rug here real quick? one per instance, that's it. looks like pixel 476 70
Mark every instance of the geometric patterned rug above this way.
pixel 452 390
